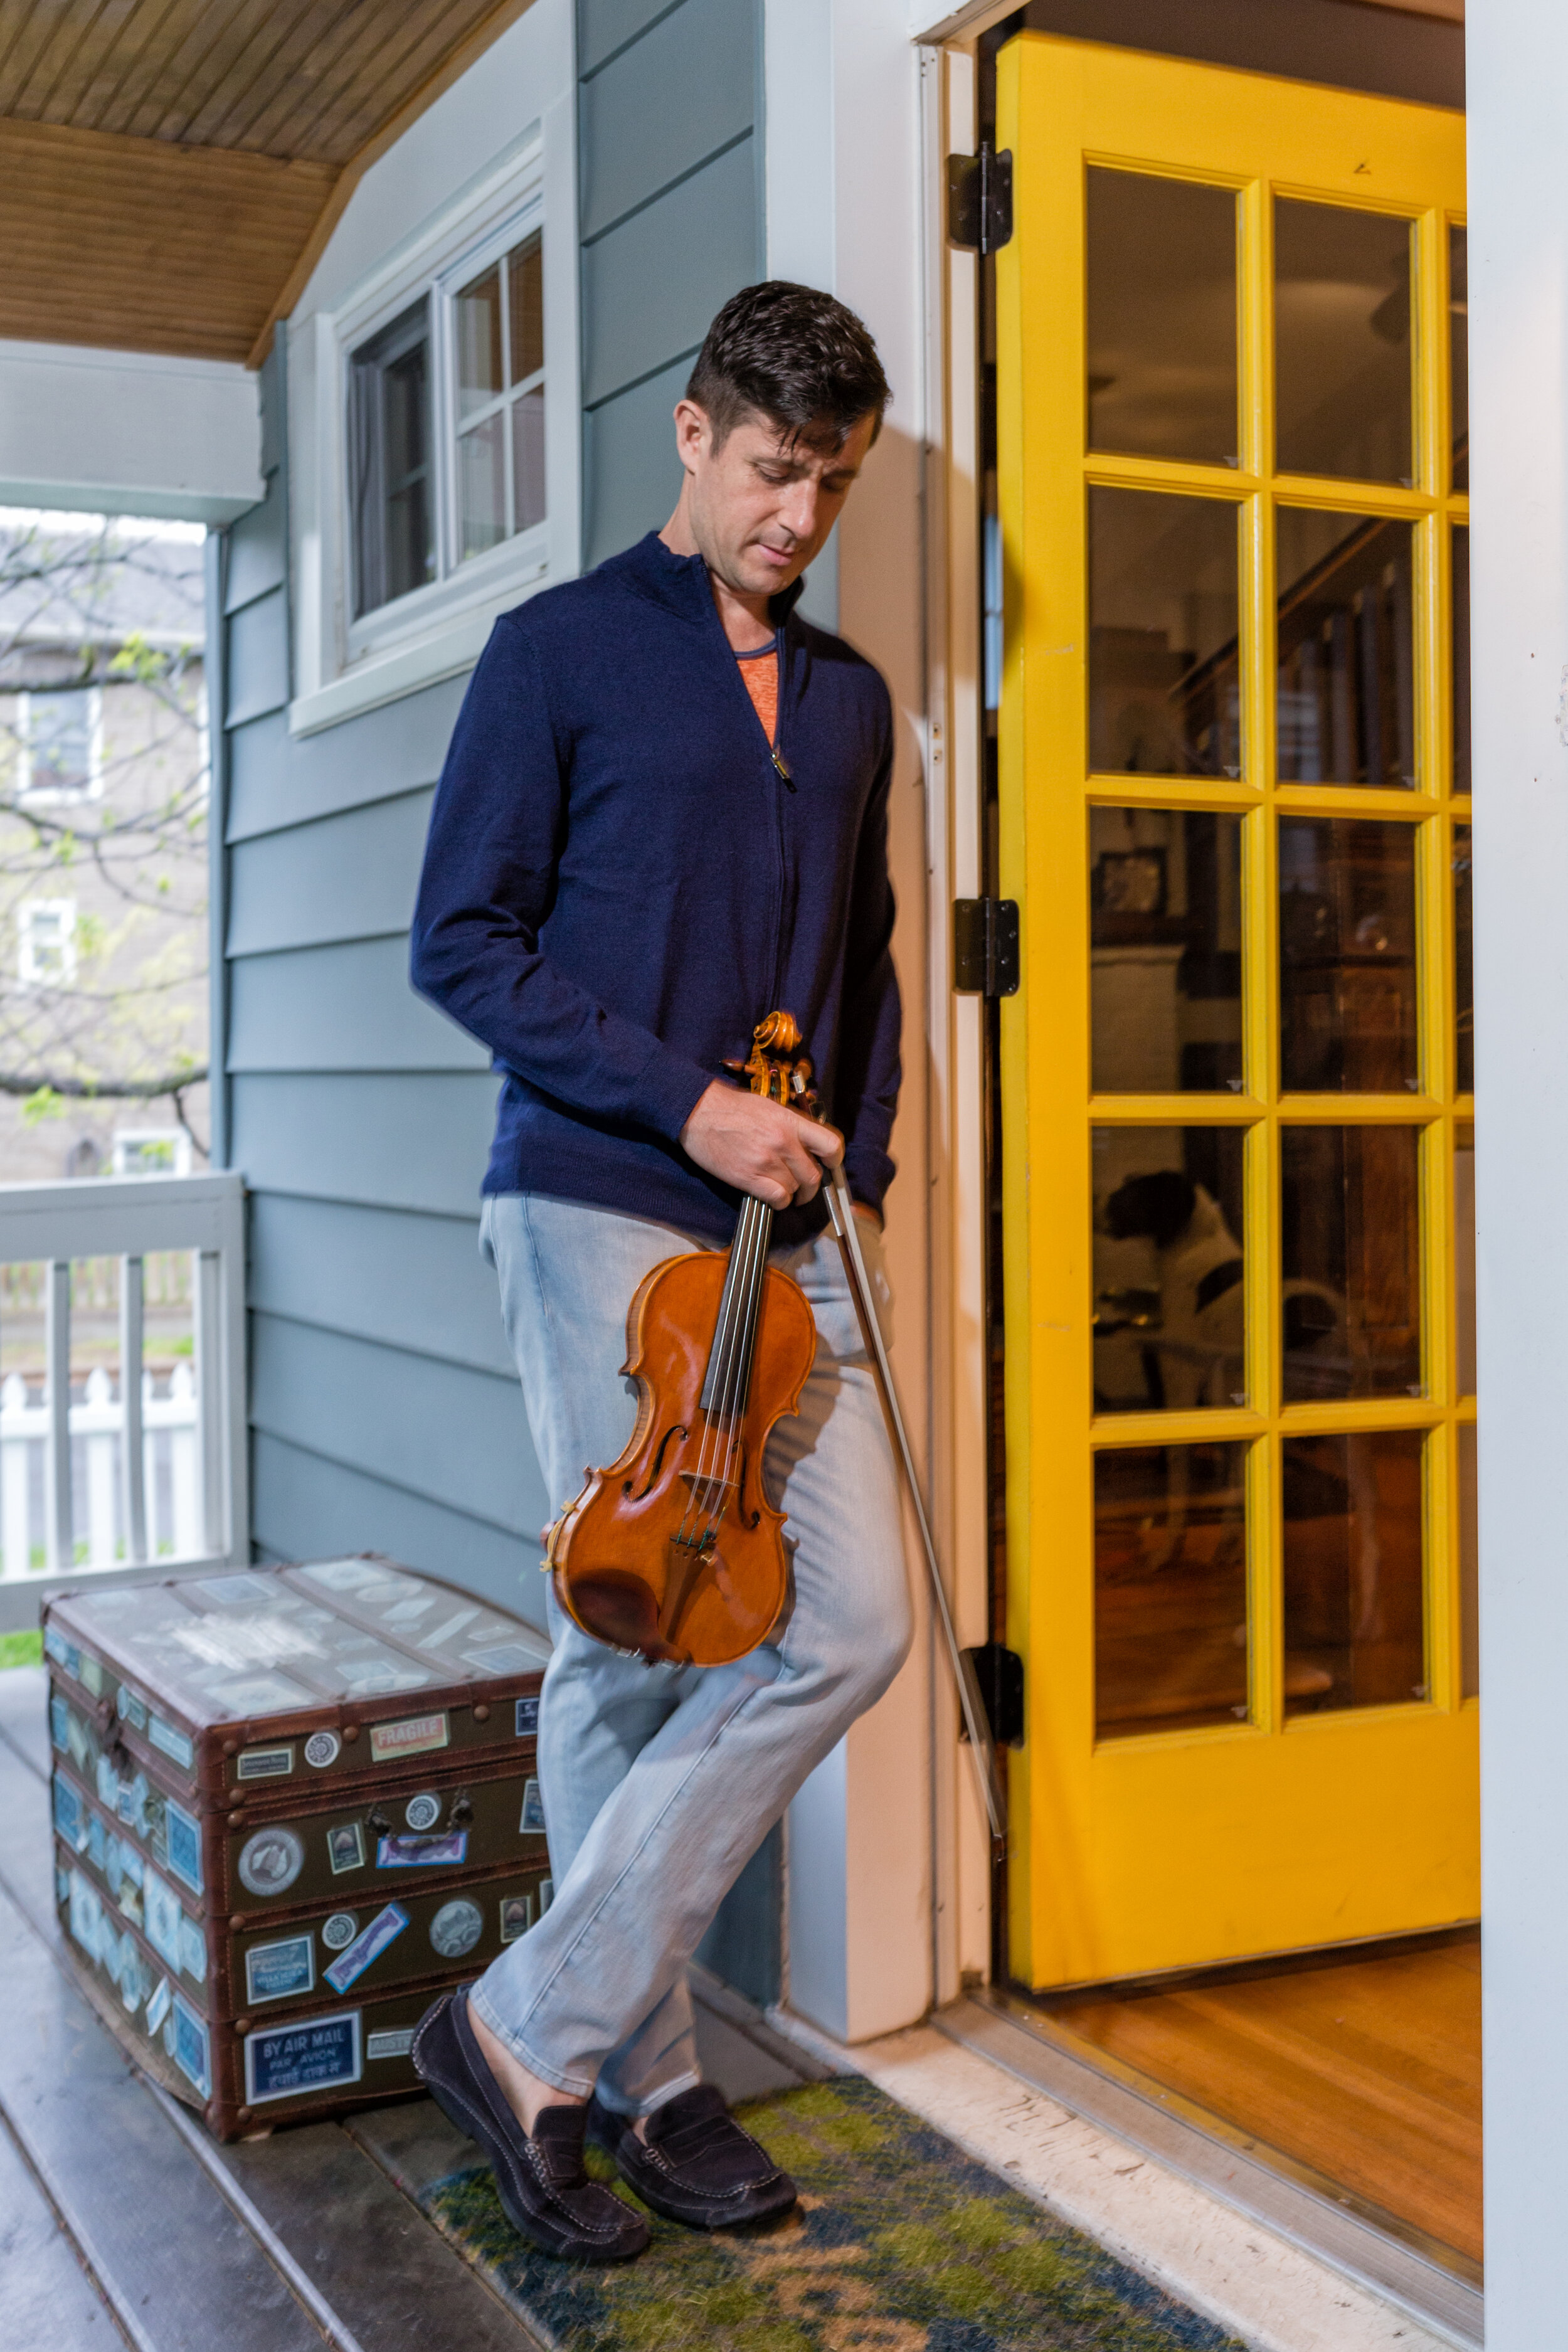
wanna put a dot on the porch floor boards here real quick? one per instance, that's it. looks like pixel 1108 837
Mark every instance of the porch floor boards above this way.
pixel 1368 2070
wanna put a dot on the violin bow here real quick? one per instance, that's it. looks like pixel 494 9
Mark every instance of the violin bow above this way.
pixel 977 1722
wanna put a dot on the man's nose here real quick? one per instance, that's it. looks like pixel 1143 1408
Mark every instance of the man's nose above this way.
pixel 800 509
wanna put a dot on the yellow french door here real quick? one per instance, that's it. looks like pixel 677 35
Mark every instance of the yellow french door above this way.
pixel 1236 1082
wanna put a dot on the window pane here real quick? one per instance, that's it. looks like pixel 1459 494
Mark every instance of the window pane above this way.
pixel 1459 354
pixel 1465 1258
pixel 1461 595
pixel 60 741
pixel 1170 1587
pixel 1349 1205
pixel 481 487
pixel 1162 682
pixel 1464 967
pixel 525 298
pixel 1347 955
pixel 1166 933
pixel 1346 691
pixel 389 445
pixel 528 457
pixel 1354 1632
pixel 477 323
pixel 1161 317
pixel 1342 341
pixel 1169 1297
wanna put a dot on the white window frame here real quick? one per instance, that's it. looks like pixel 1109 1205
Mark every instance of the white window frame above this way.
pixel 27 971
pixel 54 796
pixel 438 630
pixel 173 1138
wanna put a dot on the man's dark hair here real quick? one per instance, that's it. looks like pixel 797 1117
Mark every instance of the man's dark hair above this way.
pixel 794 355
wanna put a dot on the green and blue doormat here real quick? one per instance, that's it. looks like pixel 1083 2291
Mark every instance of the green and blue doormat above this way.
pixel 899 2244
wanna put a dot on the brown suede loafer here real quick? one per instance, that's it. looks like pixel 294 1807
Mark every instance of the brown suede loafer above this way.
pixel 540 2176
pixel 697 2164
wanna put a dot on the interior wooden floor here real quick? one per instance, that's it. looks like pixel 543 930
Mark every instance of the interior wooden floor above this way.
pixel 1367 2069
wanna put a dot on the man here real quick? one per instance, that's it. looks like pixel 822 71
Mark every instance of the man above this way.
pixel 663 814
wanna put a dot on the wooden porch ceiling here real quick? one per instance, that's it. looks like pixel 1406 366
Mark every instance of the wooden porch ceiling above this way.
pixel 170 169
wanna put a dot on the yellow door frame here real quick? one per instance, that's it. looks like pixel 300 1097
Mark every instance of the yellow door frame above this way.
pixel 1167 1850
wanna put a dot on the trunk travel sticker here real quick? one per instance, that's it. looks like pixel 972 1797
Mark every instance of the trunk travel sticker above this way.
pixel 416 1735
pixel 421 1852
pixel 274 1971
pixel 271 1860
pixel 384 1929
pixel 282 2062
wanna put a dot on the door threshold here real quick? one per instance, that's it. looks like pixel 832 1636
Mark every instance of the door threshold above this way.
pixel 1432 2282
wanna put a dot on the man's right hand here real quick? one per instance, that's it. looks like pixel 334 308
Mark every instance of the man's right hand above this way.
pixel 758 1146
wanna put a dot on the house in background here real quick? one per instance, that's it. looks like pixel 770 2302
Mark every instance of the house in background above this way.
pixel 103 847
pixel 1165 552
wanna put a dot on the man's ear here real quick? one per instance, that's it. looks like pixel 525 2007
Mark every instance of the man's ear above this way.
pixel 693 433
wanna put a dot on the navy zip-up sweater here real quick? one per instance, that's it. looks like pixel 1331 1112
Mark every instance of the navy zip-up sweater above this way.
pixel 619 884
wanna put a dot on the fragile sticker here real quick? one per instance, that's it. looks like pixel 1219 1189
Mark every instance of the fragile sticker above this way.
pixel 415 1734
pixel 349 1965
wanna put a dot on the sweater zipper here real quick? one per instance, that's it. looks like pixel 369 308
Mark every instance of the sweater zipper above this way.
pixel 780 767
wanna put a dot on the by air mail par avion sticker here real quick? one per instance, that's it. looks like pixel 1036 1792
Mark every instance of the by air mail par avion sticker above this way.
pixel 414 1735
pixel 271 1860
pixel 319 2053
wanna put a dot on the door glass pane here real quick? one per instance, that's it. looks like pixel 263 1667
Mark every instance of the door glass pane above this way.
pixel 1470 1566
pixel 1170 1587
pixel 1347 955
pixel 481 486
pixel 1465 1258
pixel 1346 684
pixel 1164 696
pixel 1464 967
pixel 528 456
pixel 1461 595
pixel 1166 934
pixel 477 330
pixel 1350 1208
pixel 1459 354
pixel 1161 317
pixel 1342 341
pixel 1169 1296
pixel 525 299
pixel 1354 1635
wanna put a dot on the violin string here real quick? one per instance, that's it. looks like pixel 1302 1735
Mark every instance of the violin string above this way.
pixel 740 1369
pixel 716 1434
pixel 723 1341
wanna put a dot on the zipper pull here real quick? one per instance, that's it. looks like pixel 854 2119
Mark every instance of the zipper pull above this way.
pixel 780 763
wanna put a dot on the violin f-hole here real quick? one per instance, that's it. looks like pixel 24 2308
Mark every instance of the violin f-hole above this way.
pixel 679 1429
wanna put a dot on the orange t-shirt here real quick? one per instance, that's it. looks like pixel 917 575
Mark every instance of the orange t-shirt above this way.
pixel 760 673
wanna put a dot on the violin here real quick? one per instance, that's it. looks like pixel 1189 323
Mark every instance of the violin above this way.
pixel 674 1552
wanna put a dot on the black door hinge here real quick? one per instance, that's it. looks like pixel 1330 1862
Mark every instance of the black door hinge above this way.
pixel 1000 1675
pixel 986 946
pixel 980 199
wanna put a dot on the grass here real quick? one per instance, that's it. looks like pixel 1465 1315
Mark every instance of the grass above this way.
pixel 21 1650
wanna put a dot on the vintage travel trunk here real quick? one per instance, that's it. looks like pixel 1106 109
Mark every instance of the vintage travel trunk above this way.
pixel 291 1804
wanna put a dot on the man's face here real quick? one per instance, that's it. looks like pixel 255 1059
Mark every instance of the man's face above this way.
pixel 761 506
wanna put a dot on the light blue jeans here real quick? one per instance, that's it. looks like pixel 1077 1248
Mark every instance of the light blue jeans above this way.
pixel 660 1782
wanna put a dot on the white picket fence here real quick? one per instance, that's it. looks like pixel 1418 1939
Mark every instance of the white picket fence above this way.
pixel 119 1476
pixel 170 1471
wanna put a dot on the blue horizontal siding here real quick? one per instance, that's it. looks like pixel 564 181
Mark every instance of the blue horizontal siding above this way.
pixel 458 1436
pixel 651 286
pixel 257 662
pixel 340 1008
pixel 404 1280
pixel 632 471
pixel 307 1508
pixel 411 1141
pixel 277 779
pixel 687 90
pixel 348 877
pixel 258 551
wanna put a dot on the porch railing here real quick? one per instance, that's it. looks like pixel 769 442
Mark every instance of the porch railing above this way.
pixel 122 1444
